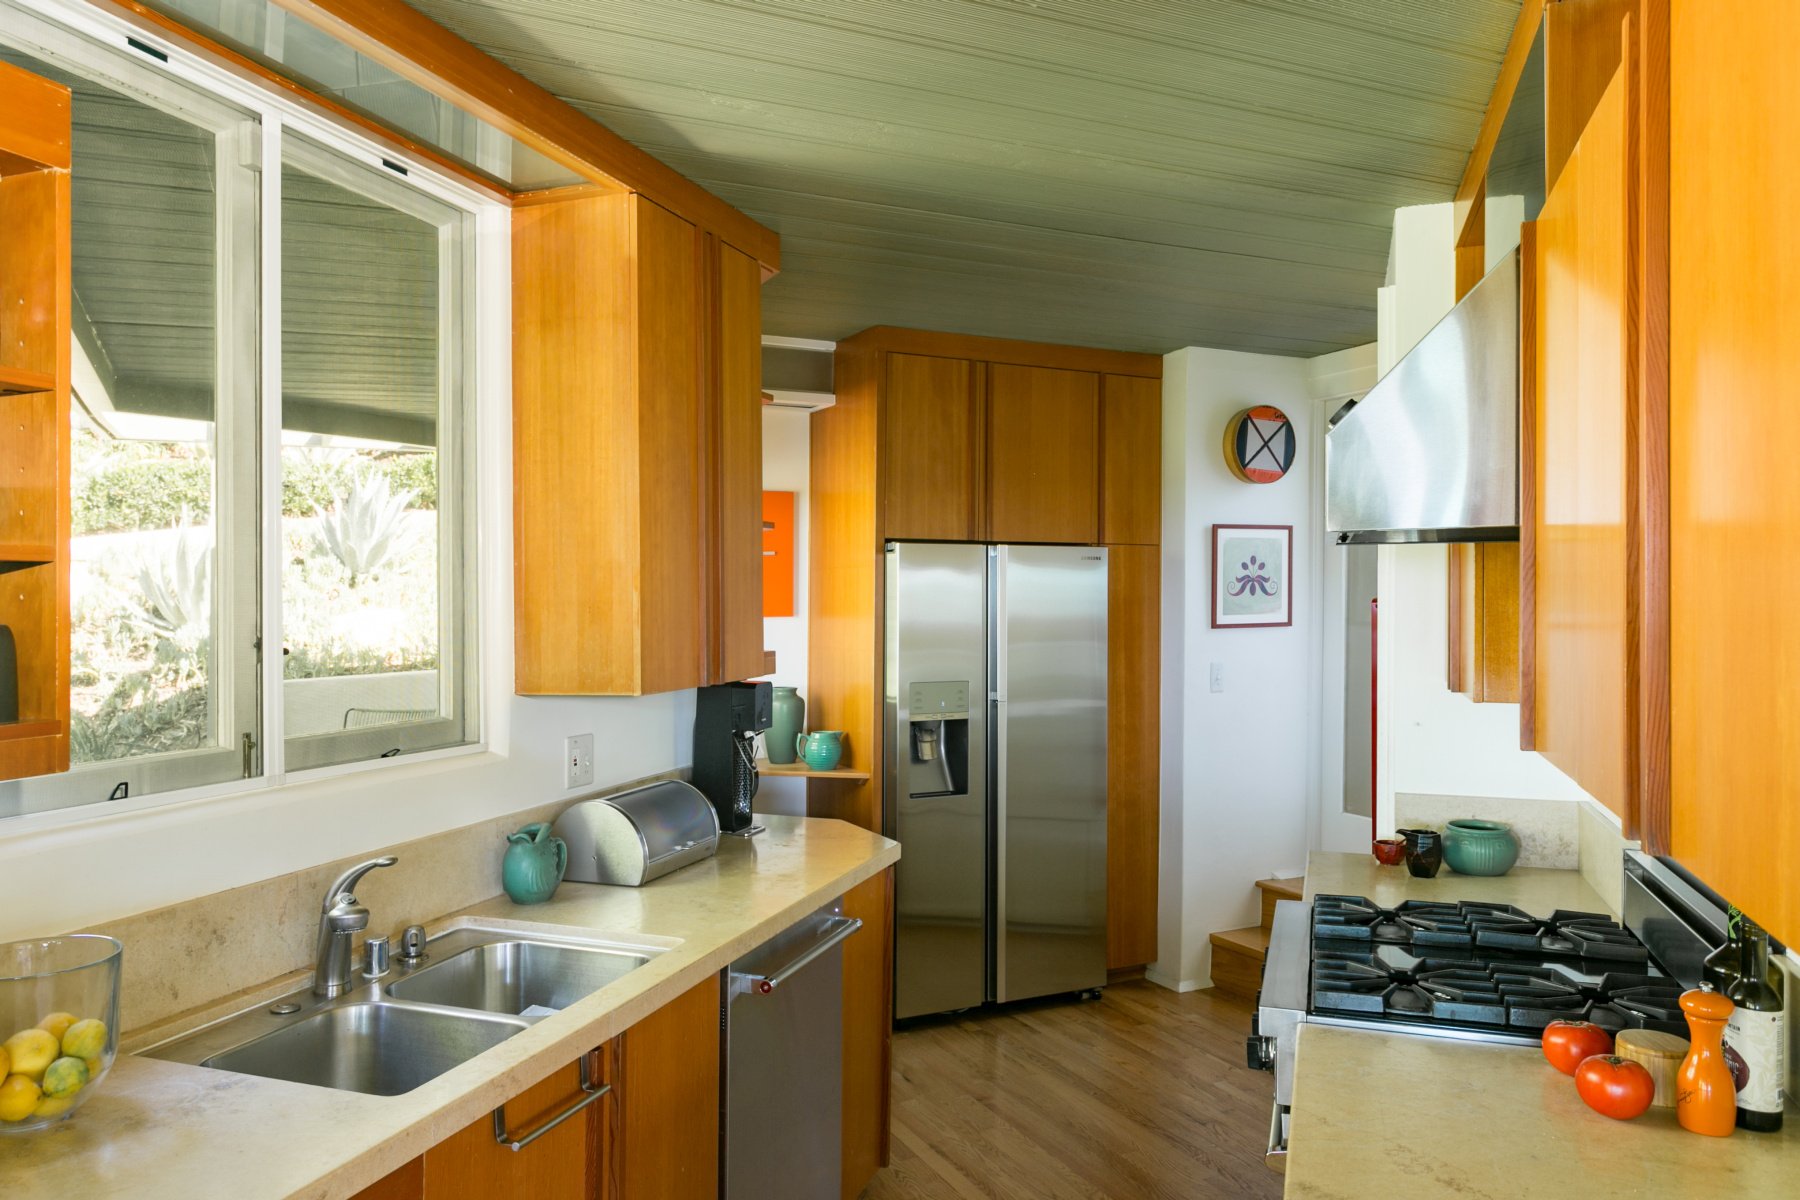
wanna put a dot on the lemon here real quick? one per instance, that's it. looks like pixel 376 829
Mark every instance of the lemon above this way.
pixel 18 1096
pixel 65 1077
pixel 31 1050
pixel 57 1024
pixel 5 1062
pixel 53 1106
pixel 84 1039
pixel 94 1066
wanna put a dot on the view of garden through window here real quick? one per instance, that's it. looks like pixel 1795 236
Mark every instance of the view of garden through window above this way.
pixel 359 568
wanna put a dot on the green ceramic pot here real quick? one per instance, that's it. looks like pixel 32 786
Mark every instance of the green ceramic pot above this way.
pixel 787 718
pixel 1474 847
pixel 822 749
pixel 534 863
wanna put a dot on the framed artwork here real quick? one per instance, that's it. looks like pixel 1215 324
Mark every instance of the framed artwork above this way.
pixel 778 554
pixel 1252 576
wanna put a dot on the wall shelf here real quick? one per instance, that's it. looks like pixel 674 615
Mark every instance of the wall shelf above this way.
pixel 17 730
pixel 14 381
pixel 799 770
pixel 14 555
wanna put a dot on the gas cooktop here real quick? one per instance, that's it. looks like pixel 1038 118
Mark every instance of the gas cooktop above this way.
pixel 1484 970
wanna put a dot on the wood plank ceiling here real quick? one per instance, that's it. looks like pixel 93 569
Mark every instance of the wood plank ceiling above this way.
pixel 1136 174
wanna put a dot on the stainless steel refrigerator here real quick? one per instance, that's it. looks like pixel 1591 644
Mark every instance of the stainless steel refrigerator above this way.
pixel 996 771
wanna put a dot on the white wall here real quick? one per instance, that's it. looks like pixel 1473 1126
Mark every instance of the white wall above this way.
pixel 1239 767
pixel 787 465
pixel 59 872
pixel 1431 739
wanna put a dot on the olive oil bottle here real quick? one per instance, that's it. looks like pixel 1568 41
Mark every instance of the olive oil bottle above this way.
pixel 1719 970
pixel 1757 1034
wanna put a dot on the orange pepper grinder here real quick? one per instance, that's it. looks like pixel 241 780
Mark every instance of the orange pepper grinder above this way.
pixel 1705 1092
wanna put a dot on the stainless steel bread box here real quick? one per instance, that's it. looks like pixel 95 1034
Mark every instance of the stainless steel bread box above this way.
pixel 640 835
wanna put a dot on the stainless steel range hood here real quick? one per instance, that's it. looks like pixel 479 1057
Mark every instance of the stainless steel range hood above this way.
pixel 1431 454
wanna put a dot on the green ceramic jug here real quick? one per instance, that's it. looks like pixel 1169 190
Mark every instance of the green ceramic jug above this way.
pixel 534 864
pixel 821 749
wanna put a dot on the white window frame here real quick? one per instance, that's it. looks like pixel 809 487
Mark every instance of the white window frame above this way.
pixel 278 116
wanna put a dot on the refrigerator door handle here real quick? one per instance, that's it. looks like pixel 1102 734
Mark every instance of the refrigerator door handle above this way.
pixel 997 558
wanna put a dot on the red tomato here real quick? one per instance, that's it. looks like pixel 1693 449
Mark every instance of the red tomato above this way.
pixel 1615 1087
pixel 1566 1043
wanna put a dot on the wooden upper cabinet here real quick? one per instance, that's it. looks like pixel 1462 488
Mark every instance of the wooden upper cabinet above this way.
pixel 930 449
pixel 1131 460
pixel 1734 439
pixel 637 450
pixel 739 558
pixel 1043 470
pixel 1582 682
pixel 35 316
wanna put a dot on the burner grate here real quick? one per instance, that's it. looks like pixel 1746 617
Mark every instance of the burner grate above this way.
pixel 1433 925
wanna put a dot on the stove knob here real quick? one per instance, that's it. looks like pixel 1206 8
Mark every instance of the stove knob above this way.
pixel 1259 1053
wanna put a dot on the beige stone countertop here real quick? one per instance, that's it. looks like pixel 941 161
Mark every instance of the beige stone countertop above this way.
pixel 1534 889
pixel 165 1131
pixel 1379 1115
pixel 1386 1116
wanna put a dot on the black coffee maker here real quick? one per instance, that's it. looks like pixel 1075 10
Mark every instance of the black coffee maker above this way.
pixel 727 718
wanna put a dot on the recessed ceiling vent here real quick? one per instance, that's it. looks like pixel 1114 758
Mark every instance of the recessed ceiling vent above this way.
pixel 796 373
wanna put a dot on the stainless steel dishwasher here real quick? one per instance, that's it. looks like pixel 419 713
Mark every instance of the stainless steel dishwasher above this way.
pixel 784 1064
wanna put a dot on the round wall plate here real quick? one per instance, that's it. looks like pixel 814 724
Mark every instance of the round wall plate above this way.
pixel 1259 444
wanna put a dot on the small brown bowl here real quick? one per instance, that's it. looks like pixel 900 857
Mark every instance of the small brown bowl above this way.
pixel 1390 852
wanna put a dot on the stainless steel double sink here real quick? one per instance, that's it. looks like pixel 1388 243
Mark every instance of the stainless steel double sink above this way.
pixel 477 986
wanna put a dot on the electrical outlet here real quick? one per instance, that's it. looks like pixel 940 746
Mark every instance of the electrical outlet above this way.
pixel 578 761
pixel 1215 677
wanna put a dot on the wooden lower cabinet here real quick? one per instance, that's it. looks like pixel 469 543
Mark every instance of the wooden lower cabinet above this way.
pixel 668 1083
pixel 566 1163
pixel 868 1030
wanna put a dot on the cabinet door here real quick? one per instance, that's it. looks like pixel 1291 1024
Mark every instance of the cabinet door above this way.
pixel 671 468
pixel 1734 437
pixel 1581 685
pixel 1133 814
pixel 563 1164
pixel 407 1183
pixel 739 551
pixel 1131 463
pixel 929 449
pixel 868 1030
pixel 1043 455
pixel 669 1100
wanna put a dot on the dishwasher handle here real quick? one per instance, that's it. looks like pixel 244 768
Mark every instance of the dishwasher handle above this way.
pixel 838 930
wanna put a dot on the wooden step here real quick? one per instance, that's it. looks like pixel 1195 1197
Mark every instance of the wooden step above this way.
pixel 1278 889
pixel 1237 960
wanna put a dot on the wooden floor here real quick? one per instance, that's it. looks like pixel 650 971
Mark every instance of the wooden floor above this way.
pixel 1142 1093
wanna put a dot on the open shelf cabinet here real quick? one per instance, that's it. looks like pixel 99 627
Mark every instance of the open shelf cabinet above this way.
pixel 35 304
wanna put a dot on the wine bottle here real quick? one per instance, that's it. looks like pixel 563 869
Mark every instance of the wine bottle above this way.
pixel 1757 1032
pixel 1720 968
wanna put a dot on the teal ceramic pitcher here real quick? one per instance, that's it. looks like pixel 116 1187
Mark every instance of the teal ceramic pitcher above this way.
pixel 821 749
pixel 534 864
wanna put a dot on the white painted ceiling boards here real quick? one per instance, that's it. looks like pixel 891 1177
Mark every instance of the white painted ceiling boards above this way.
pixel 1137 174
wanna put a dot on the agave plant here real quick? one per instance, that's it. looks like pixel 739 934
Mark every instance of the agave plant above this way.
pixel 177 585
pixel 363 530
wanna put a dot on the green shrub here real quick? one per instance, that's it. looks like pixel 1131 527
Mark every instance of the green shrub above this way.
pixel 144 494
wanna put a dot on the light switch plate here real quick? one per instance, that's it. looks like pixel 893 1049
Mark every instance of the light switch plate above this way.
pixel 578 761
pixel 1215 677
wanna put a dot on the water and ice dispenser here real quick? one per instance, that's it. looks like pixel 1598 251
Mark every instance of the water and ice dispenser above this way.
pixel 938 721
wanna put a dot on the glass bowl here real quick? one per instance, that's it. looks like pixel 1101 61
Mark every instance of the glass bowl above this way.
pixel 59 1018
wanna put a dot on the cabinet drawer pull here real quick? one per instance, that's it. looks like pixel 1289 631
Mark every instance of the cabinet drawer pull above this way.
pixel 589 1094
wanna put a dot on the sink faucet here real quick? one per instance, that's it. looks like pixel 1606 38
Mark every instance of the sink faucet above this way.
pixel 341 918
